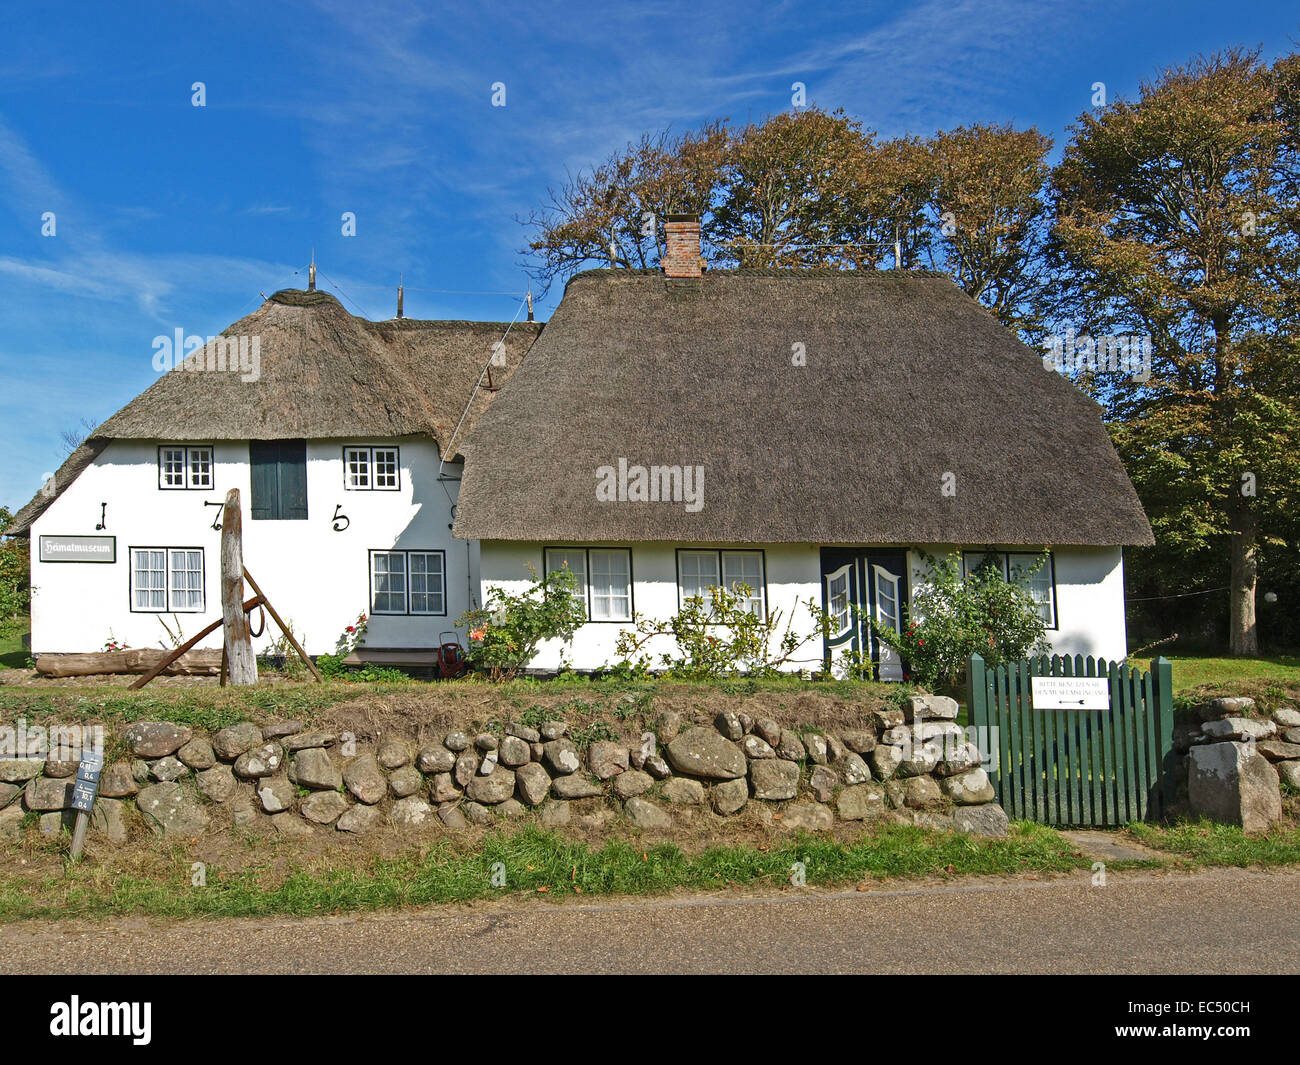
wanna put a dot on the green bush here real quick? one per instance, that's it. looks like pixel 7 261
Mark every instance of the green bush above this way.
pixel 15 577
pixel 954 617
pixel 506 631
pixel 722 638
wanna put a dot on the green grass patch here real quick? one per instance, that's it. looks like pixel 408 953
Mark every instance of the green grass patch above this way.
pixel 1207 843
pixel 1192 671
pixel 535 862
pixel 13 655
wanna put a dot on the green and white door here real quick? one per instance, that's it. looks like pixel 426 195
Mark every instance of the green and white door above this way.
pixel 859 587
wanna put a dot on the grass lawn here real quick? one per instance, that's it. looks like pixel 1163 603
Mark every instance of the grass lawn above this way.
pixel 534 862
pixel 1192 671
pixel 12 653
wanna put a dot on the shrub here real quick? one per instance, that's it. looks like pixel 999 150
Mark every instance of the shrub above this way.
pixel 719 639
pixel 954 617
pixel 506 631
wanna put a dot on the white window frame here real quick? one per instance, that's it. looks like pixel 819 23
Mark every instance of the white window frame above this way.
pixel 700 588
pixel 175 598
pixel 831 578
pixel 613 599
pixel 184 467
pixel 554 557
pixel 363 461
pixel 756 601
pixel 389 573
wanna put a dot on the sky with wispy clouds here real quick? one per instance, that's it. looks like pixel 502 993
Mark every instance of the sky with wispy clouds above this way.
pixel 173 216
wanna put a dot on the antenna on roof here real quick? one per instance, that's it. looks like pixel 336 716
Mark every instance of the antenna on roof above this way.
pixel 399 295
pixel 311 273
pixel 530 303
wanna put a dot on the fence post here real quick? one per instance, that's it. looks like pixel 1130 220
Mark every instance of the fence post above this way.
pixel 1163 676
pixel 977 703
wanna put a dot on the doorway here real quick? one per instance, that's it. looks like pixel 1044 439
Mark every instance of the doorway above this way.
pixel 860 586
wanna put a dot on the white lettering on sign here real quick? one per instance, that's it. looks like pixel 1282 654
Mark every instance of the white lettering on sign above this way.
pixel 1070 693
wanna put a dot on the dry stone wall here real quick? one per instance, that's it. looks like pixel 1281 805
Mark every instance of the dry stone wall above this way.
pixel 912 763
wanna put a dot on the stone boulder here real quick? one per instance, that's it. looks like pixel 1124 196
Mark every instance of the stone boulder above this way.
pixel 156 739
pixel 230 743
pixel 645 814
pixel 730 796
pixel 706 753
pixel 358 819
pixel 807 817
pixel 532 783
pixel 261 761
pixel 411 812
pixel 972 788
pixel 198 754
pixel 276 794
pixel 774 779
pixel 632 783
pixel 313 768
pixel 44 793
pixel 324 807
pixel 170 811
pixel 931 708
pixel 497 786
pixel 987 820
pixel 435 759
pixel 863 802
pixel 1239 728
pixel 20 770
pixel 607 760
pixel 365 780
pixel 1233 784
pixel 216 784
pixel 683 791
pixel 560 755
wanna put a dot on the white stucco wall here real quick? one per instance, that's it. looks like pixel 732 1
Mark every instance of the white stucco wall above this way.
pixel 316 577
pixel 1089 592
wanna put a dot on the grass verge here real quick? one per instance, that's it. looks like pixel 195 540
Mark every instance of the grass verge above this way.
pixel 534 862
pixel 1204 843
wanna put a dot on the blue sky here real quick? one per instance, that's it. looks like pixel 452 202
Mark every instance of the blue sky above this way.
pixel 173 216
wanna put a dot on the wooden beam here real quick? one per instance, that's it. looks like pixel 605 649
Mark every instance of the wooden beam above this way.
pixel 238 640
pixel 252 604
pixel 288 633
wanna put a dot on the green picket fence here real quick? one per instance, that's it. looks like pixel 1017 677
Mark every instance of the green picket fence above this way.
pixel 1077 767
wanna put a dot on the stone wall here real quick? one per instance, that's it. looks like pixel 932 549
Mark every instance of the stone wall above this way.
pixel 912 763
pixel 1232 758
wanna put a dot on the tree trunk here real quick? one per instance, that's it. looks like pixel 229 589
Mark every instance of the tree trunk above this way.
pixel 240 660
pixel 1243 637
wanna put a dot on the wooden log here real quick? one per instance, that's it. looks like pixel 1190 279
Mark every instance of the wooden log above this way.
pixel 185 648
pixel 194 663
pixel 288 633
pixel 240 659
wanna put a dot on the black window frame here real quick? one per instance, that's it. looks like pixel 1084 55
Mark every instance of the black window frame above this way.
pixel 586 550
pixel 187 487
pixel 370 449
pixel 406 553
pixel 720 551
pixel 167 572
pixel 1004 556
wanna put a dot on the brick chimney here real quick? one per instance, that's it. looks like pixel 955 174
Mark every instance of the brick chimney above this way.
pixel 682 258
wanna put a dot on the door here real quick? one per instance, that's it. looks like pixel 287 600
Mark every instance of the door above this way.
pixel 861 586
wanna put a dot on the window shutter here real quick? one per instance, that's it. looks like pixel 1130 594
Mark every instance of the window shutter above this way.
pixel 264 461
pixel 293 480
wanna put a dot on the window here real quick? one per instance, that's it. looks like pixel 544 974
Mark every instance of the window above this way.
pixel 167 580
pixel 839 606
pixel 368 469
pixel 699 571
pixel 576 559
pixel 184 467
pixel 408 582
pixel 745 567
pixel 425 568
pixel 611 587
pixel 1019 566
pixel 279 479
pixel 604 579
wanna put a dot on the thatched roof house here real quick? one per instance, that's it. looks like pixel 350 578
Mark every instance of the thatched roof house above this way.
pixel 824 407
pixel 323 374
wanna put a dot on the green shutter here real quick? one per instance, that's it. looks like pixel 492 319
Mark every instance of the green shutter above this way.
pixel 293 480
pixel 278 479
pixel 264 462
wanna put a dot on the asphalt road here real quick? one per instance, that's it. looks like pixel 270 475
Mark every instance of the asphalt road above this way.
pixel 1138 923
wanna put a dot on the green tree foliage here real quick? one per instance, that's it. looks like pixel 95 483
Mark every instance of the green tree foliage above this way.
pixel 15 577
pixel 1177 219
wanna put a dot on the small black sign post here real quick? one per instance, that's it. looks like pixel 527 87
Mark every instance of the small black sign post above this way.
pixel 83 796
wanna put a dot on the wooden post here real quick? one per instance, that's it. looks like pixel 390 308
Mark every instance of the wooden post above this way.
pixel 238 641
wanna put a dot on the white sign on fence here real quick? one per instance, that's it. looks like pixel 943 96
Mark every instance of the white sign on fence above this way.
pixel 1070 693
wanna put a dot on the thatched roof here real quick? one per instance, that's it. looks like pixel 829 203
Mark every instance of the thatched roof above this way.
pixel 323 374
pixel 906 379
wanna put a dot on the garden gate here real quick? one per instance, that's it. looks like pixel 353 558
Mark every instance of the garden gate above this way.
pixel 1107 761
